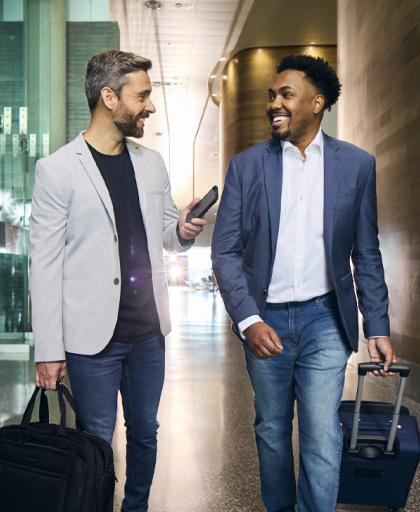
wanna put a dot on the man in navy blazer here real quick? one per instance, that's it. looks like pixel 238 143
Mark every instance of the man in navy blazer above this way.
pixel 295 211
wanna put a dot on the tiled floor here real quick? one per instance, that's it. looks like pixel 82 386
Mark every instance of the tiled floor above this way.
pixel 207 458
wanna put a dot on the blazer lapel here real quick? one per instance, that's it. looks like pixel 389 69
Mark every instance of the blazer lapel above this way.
pixel 332 172
pixel 89 165
pixel 273 179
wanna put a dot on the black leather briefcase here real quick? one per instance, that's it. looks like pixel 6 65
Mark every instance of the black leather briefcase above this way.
pixel 53 468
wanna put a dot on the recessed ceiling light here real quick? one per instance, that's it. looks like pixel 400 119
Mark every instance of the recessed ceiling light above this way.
pixel 184 5
pixel 312 42
pixel 222 59
pixel 153 4
pixel 213 77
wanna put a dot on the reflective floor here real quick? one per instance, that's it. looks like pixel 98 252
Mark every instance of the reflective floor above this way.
pixel 207 459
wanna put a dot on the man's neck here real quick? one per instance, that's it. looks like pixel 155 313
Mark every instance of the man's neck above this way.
pixel 104 136
pixel 305 140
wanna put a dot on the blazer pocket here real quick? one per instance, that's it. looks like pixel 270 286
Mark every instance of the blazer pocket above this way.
pixel 348 192
pixel 346 281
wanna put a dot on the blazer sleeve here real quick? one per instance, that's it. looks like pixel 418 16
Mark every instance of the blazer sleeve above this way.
pixel 227 250
pixel 47 240
pixel 171 240
pixel 369 276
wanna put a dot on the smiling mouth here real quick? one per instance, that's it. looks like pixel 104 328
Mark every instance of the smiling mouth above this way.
pixel 279 119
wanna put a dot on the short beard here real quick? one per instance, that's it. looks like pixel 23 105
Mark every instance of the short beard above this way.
pixel 128 129
pixel 281 136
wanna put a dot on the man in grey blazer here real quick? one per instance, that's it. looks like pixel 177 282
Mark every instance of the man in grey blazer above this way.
pixel 102 213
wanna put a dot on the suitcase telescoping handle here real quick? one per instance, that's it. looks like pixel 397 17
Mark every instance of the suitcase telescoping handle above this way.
pixel 364 368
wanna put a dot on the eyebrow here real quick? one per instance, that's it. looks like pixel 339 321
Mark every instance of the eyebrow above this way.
pixel 282 90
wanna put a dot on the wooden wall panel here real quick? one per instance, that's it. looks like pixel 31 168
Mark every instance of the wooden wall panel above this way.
pixel 379 66
pixel 244 94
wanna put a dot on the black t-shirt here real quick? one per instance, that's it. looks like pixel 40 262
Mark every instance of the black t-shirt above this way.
pixel 137 316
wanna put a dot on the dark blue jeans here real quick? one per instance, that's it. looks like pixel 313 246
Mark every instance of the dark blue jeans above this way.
pixel 137 370
pixel 311 371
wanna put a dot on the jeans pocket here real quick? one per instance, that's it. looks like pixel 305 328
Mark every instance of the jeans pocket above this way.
pixel 328 302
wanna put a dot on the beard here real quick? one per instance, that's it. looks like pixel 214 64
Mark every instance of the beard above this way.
pixel 127 124
pixel 281 135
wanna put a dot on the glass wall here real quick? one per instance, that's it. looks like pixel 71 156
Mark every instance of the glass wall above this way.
pixel 44 47
pixel 15 154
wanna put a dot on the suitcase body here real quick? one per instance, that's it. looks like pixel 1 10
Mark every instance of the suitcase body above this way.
pixel 370 473
pixel 53 468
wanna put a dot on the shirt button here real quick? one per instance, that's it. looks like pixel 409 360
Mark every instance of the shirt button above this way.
pixel 265 291
pixel 115 238
pixel 116 281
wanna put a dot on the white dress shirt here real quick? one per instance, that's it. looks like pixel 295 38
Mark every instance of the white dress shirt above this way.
pixel 300 268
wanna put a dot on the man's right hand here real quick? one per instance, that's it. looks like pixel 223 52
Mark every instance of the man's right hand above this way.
pixel 263 340
pixel 47 374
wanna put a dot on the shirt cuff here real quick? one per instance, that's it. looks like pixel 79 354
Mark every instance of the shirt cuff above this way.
pixel 242 326
pixel 379 336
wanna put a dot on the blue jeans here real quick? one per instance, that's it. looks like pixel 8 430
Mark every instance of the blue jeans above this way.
pixel 137 370
pixel 311 371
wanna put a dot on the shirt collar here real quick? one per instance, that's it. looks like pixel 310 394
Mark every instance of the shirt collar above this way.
pixel 317 143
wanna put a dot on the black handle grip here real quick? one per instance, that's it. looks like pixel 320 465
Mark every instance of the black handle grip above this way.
pixel 402 369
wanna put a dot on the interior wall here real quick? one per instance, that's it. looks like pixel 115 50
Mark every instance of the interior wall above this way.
pixel 378 63
pixel 84 39
pixel 248 75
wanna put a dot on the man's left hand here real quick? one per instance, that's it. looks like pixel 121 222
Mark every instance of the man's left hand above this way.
pixel 189 230
pixel 381 350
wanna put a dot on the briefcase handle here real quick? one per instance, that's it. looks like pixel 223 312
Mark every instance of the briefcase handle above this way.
pixel 363 369
pixel 62 391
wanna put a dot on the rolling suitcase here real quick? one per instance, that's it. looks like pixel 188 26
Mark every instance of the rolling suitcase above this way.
pixel 53 468
pixel 381 447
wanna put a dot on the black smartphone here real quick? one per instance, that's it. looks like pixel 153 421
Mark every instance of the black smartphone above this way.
pixel 204 205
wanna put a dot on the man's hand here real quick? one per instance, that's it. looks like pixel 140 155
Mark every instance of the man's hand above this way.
pixel 381 350
pixel 263 340
pixel 47 374
pixel 189 230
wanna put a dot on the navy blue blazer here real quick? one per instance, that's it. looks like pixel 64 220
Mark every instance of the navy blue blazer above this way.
pixel 247 225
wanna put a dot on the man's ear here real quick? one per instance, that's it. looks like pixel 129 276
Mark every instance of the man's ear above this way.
pixel 318 103
pixel 109 98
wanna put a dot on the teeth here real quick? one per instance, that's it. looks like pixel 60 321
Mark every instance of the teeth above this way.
pixel 279 118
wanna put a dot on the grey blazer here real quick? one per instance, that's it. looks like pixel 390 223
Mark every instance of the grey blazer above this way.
pixel 74 262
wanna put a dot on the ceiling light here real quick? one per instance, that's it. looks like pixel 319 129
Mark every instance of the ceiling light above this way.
pixel 214 94
pixel 222 59
pixel 184 5
pixel 153 4
pixel 225 77
pixel 312 42
pixel 213 77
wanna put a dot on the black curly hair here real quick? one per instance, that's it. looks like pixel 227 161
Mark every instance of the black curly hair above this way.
pixel 318 72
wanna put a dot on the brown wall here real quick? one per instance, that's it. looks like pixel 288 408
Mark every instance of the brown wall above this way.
pixel 379 66
pixel 244 95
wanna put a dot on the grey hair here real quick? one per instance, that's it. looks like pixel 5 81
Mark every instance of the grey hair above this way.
pixel 107 69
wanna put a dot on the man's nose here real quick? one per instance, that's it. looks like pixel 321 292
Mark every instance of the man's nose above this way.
pixel 277 103
pixel 150 107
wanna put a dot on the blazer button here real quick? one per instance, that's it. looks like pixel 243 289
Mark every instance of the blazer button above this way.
pixel 116 281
